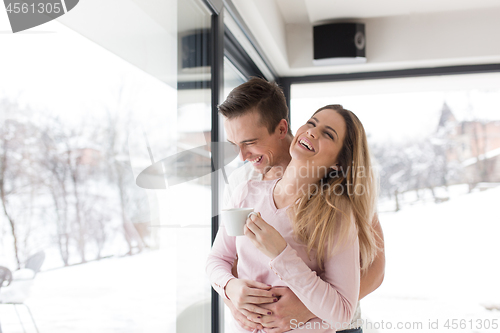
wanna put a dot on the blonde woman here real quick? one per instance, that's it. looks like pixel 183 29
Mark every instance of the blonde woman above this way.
pixel 314 232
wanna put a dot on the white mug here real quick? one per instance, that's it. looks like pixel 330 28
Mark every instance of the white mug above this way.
pixel 234 219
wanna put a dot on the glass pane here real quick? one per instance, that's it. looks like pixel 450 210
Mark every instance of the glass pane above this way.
pixel 97 123
pixel 436 141
pixel 232 79
pixel 189 203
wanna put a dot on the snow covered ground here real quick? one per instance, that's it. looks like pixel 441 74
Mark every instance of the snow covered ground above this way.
pixel 112 295
pixel 443 262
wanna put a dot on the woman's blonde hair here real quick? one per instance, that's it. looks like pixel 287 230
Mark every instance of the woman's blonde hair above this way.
pixel 321 219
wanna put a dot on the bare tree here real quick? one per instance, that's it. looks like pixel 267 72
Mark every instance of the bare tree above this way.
pixel 119 119
pixel 78 186
pixel 19 176
pixel 5 168
pixel 413 166
pixel 82 167
pixel 56 182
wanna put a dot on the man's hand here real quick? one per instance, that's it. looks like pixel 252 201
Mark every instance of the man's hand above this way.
pixel 247 295
pixel 241 318
pixel 287 308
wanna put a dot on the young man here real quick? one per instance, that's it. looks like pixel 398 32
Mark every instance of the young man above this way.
pixel 256 120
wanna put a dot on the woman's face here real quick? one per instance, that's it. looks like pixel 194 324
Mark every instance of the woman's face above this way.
pixel 319 141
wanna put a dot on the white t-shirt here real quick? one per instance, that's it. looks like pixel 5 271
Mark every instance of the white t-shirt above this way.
pixel 247 172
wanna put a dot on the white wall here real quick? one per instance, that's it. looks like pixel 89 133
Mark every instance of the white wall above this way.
pixel 268 27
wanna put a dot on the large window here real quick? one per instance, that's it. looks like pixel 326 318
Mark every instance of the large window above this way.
pixel 436 142
pixel 97 115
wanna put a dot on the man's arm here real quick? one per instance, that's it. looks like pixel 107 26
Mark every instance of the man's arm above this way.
pixel 287 308
pixel 374 276
pixel 241 318
pixel 237 315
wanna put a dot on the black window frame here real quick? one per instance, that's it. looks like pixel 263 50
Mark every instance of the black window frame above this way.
pixel 217 85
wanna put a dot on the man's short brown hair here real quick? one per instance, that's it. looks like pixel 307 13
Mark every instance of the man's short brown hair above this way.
pixel 265 98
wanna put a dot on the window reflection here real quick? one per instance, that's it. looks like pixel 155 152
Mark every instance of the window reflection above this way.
pixel 99 105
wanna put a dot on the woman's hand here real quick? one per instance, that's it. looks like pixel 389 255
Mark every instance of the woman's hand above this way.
pixel 265 238
pixel 246 295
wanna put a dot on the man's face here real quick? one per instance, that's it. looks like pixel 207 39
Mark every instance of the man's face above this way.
pixel 254 141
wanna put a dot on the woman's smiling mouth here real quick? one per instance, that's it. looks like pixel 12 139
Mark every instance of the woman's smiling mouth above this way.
pixel 306 144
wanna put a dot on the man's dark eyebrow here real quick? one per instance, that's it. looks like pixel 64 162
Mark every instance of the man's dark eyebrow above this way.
pixel 327 127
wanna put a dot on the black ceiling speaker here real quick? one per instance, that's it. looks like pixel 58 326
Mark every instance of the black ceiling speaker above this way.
pixel 339 43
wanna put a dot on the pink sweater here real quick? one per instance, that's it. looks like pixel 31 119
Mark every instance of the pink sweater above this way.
pixel 331 294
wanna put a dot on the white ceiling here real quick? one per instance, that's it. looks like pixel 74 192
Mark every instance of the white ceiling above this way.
pixel 400 33
pixel 301 11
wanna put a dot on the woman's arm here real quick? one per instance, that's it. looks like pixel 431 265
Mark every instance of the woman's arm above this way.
pixel 374 276
pixel 333 295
